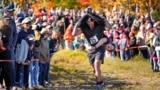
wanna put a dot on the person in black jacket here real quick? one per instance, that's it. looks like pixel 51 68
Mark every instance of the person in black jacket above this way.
pixel 132 43
pixel 5 66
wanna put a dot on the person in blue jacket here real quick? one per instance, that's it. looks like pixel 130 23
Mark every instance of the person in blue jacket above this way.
pixel 26 34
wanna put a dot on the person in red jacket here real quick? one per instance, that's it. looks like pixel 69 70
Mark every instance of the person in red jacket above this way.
pixel 68 36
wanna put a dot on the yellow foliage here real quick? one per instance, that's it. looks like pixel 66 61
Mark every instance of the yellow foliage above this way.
pixel 95 4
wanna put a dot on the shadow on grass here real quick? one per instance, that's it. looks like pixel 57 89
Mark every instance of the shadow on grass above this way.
pixel 64 79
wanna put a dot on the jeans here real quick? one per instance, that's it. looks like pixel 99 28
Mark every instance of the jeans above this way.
pixel 124 55
pixel 47 78
pixel 33 73
pixel 144 53
pixel 26 75
pixel 151 62
pixel 62 43
pixel 42 73
pixel 13 68
pixel 69 45
pixel 19 75
pixel 22 75
pixel 155 64
pixel 158 61
pixel 5 69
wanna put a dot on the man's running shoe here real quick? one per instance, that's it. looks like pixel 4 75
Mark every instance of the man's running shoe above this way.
pixel 100 87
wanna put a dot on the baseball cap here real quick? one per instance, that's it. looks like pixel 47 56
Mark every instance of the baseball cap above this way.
pixel 26 20
pixel 9 8
pixel 7 17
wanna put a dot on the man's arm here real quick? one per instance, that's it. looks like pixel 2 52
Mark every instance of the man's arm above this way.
pixel 76 30
pixel 101 42
pixel 15 35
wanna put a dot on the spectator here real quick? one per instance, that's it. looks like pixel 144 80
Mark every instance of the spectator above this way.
pixel 124 45
pixel 44 57
pixel 5 67
pixel 27 35
pixel 68 36
pixel 157 45
pixel 9 11
pixel 141 42
pixel 132 44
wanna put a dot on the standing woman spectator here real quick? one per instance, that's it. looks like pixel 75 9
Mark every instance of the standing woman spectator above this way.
pixel 44 56
pixel 149 40
pixel 124 45
pixel 54 42
pixel 60 28
pixel 155 66
pixel 132 43
pixel 5 54
pixel 68 36
pixel 157 45
pixel 141 42
pixel 115 42
pixel 34 72
pixel 53 47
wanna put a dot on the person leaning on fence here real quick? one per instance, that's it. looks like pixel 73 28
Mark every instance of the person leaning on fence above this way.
pixel 96 39
pixel 24 56
pixel 5 67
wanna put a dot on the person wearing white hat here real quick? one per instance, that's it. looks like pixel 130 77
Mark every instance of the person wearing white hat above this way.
pixel 25 35
pixel 44 56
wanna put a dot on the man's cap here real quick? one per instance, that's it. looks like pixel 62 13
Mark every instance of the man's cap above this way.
pixel 9 8
pixel 6 17
pixel 26 20
pixel 19 21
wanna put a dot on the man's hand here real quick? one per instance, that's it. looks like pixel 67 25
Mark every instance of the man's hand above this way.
pixel 90 48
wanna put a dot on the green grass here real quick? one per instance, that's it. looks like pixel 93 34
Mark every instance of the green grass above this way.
pixel 71 69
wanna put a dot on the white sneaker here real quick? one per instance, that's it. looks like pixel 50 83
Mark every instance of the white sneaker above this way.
pixel 14 88
pixel 18 88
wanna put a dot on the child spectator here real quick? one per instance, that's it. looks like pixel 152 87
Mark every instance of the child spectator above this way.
pixel 124 44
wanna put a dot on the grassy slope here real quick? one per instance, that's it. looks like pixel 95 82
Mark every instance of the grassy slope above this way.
pixel 70 70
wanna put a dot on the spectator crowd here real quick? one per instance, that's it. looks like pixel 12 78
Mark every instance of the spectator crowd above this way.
pixel 28 40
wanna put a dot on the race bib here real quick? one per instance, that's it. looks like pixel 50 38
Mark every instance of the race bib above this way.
pixel 93 39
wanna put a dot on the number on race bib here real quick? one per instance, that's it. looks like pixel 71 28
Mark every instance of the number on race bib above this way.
pixel 93 39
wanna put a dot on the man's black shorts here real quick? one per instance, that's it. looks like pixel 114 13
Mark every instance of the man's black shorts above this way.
pixel 97 54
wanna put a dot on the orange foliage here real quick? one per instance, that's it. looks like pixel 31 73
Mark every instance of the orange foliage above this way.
pixel 48 6
pixel 84 2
